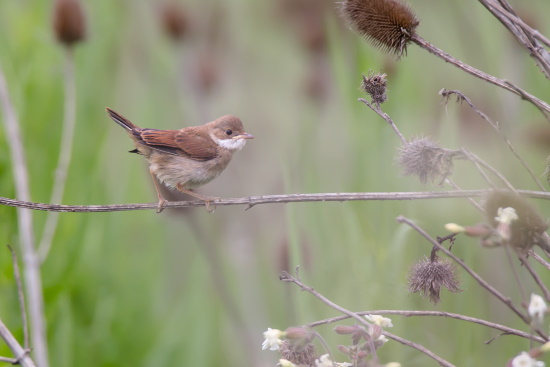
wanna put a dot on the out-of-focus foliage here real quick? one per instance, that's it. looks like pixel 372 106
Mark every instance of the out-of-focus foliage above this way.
pixel 189 288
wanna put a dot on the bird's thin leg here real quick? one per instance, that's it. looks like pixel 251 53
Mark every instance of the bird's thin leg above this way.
pixel 160 208
pixel 208 200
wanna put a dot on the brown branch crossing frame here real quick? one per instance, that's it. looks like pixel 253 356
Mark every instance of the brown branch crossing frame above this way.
pixel 251 201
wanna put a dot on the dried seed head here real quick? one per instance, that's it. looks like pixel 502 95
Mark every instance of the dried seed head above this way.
pixel 528 229
pixel 427 277
pixel 424 158
pixel 387 24
pixel 69 22
pixel 299 355
pixel 174 20
pixel 375 86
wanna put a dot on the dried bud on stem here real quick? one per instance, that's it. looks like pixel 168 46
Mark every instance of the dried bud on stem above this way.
pixel 427 277
pixel 387 24
pixel 424 158
pixel 375 86
pixel 299 335
pixel 69 22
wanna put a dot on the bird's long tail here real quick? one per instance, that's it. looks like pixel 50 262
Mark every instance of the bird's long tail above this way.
pixel 121 120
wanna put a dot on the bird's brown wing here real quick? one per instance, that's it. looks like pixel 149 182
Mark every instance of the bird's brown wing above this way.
pixel 188 142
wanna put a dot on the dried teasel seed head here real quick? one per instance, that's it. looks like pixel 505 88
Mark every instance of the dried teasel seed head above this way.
pixel 69 22
pixel 424 158
pixel 427 277
pixel 174 20
pixel 299 355
pixel 529 227
pixel 375 85
pixel 387 24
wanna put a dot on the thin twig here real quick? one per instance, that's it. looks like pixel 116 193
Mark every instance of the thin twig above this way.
pixel 479 168
pixel 540 104
pixel 9 360
pixel 456 187
pixel 285 277
pixel 508 250
pixel 419 347
pixel 21 297
pixel 474 158
pixel 65 154
pixel 269 199
pixel 535 276
pixel 22 356
pixel 386 117
pixel 325 346
pixel 537 257
pixel 408 313
pixel 461 97
pixel 525 35
pixel 33 281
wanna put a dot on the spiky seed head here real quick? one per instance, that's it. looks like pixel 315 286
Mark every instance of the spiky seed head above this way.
pixel 69 22
pixel 297 354
pixel 525 232
pixel 387 24
pixel 427 277
pixel 375 85
pixel 426 159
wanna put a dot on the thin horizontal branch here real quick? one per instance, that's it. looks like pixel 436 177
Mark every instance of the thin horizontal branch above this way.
pixel 251 201
pixel 285 277
pixel 408 313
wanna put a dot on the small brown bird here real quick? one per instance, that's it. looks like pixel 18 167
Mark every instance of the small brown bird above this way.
pixel 188 158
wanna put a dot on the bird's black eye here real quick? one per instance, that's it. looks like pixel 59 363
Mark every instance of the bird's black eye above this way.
pixel 229 131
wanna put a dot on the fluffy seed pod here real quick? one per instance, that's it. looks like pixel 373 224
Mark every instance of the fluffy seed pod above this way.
pixel 424 158
pixel 528 229
pixel 387 24
pixel 69 22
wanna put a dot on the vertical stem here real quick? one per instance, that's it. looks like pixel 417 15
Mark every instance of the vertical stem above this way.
pixel 65 153
pixel 33 281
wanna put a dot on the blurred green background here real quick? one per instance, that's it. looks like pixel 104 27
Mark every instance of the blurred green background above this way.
pixel 189 288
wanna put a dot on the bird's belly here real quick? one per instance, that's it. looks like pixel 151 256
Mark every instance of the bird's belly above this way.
pixel 189 173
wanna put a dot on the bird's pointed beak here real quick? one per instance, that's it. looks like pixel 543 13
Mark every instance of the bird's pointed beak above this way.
pixel 243 136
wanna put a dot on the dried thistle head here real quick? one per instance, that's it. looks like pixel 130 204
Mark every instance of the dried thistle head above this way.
pixel 299 355
pixel 174 20
pixel 424 158
pixel 387 24
pixel 375 86
pixel 427 277
pixel 527 230
pixel 69 22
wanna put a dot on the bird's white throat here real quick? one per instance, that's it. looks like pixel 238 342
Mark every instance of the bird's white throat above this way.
pixel 231 144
